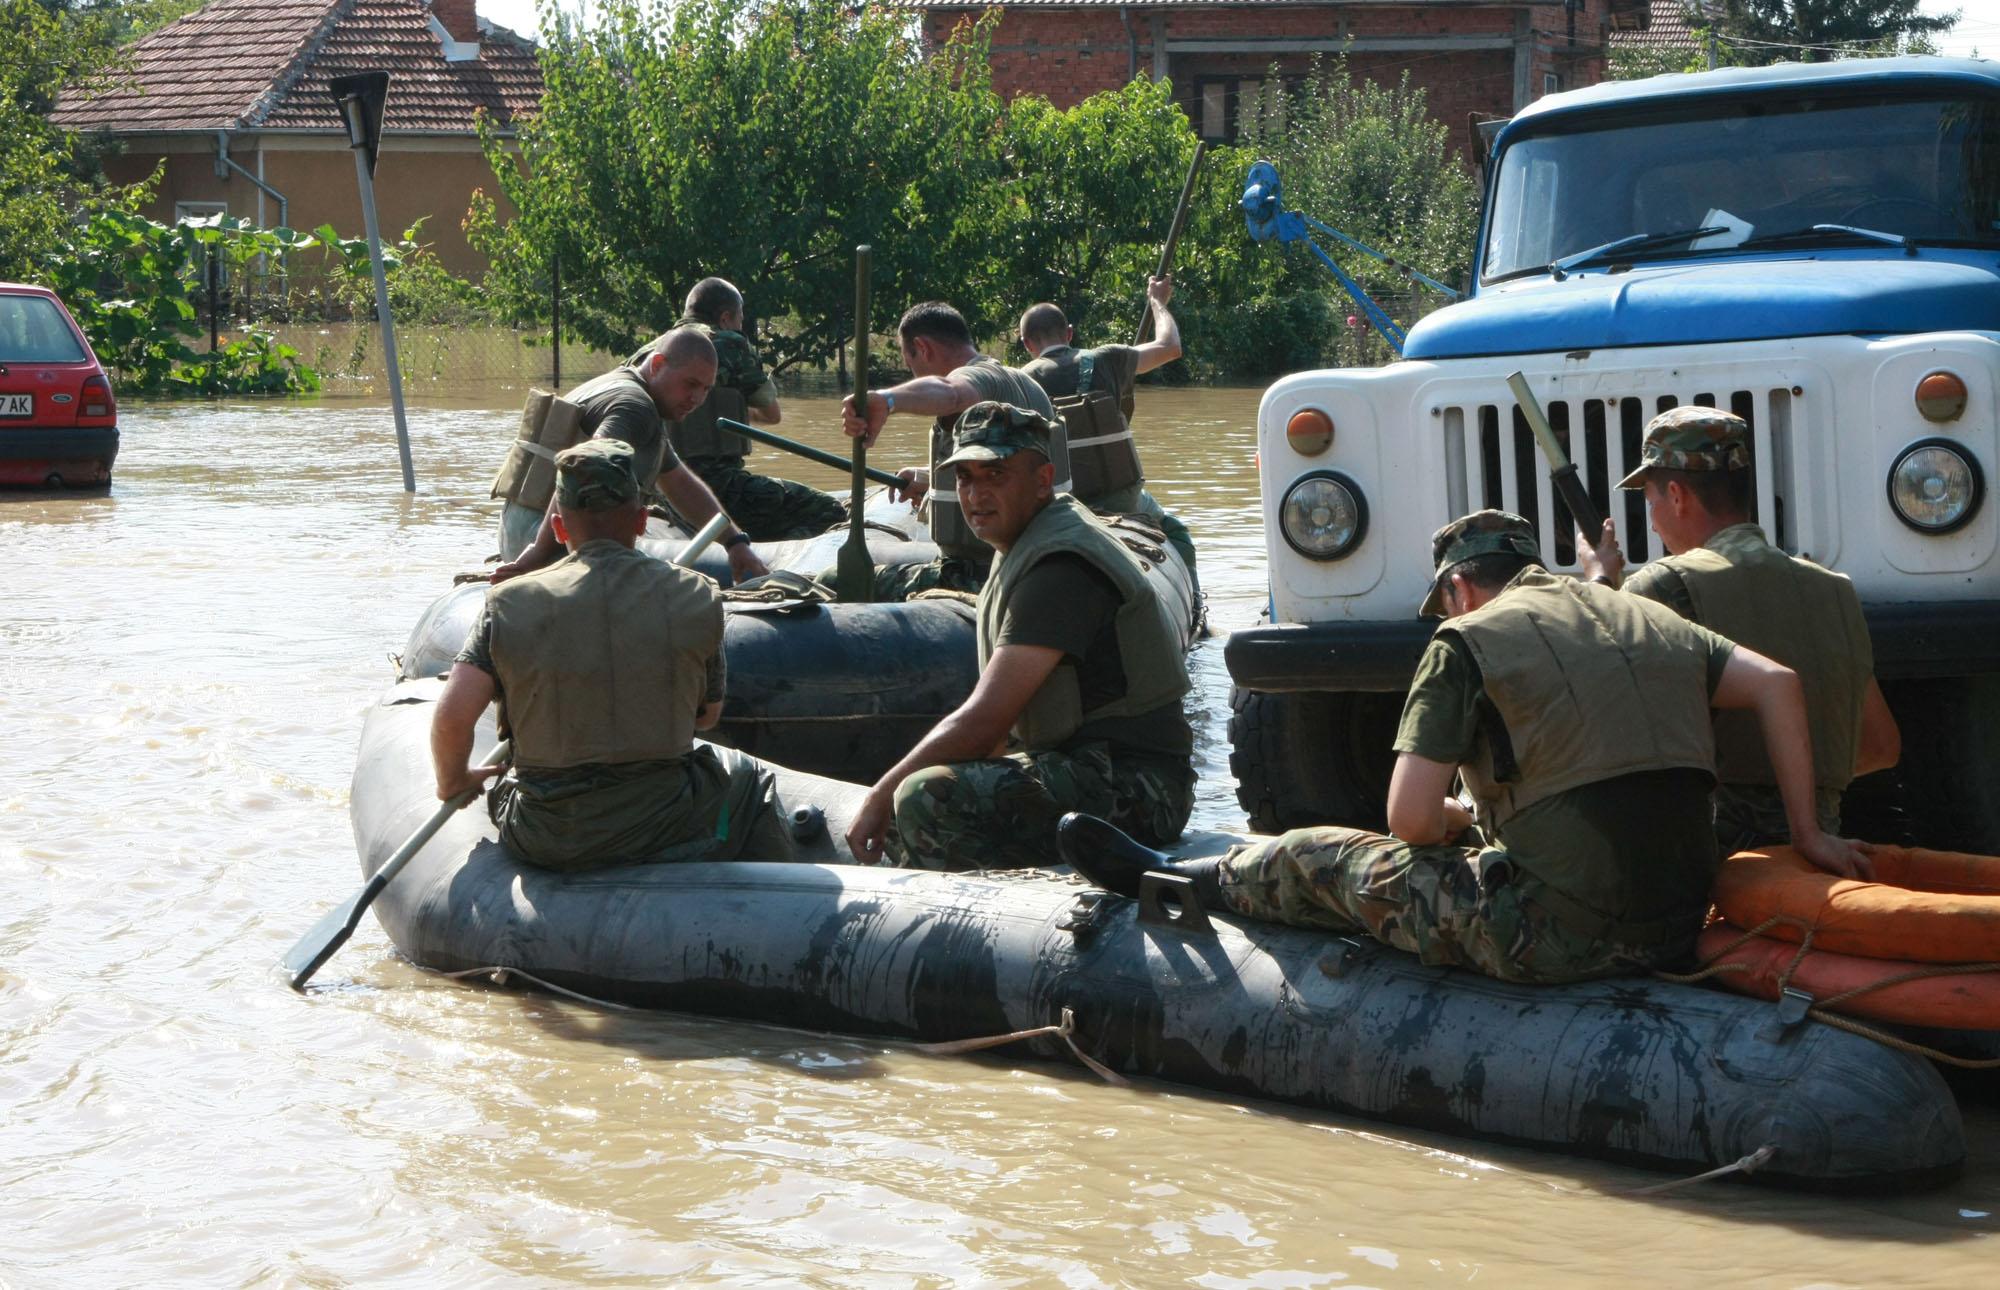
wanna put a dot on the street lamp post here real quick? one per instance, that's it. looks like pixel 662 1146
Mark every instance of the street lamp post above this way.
pixel 361 98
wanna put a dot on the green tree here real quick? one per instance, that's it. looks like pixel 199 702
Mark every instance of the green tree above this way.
pixel 760 143
pixel 1818 31
pixel 1093 192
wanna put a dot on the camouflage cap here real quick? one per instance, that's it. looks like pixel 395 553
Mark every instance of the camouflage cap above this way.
pixel 1692 438
pixel 596 475
pixel 1480 533
pixel 991 431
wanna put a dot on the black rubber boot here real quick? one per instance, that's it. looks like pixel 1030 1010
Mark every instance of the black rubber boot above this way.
pixel 1207 875
pixel 1106 856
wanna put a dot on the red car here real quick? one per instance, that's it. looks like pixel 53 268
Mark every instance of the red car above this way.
pixel 58 421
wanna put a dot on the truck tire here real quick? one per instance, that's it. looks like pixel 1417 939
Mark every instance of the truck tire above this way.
pixel 1304 759
pixel 1951 744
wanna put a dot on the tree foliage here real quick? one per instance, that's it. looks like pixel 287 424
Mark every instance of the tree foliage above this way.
pixel 1817 31
pixel 760 143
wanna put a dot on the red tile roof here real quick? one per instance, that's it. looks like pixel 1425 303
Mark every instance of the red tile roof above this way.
pixel 265 64
pixel 1668 31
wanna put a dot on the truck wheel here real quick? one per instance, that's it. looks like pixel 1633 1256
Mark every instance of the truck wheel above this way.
pixel 1951 743
pixel 1304 759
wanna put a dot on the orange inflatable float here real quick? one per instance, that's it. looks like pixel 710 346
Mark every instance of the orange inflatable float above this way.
pixel 1919 946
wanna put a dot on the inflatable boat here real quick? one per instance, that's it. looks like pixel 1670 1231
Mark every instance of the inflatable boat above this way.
pixel 831 689
pixel 1638 1070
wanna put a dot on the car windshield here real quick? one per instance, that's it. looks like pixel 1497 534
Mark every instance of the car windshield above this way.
pixel 33 330
pixel 1757 170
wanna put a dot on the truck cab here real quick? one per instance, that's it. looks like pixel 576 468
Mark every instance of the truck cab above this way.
pixel 1813 247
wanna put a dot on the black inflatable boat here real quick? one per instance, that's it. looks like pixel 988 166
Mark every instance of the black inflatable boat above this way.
pixel 1633 1070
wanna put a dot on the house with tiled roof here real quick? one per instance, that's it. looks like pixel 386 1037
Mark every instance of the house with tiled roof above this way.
pixel 233 102
pixel 1475 60
pixel 1669 41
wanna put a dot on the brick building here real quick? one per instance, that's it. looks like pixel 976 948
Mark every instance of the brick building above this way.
pixel 1473 59
pixel 232 103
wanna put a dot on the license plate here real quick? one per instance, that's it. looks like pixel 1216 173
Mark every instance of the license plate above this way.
pixel 17 405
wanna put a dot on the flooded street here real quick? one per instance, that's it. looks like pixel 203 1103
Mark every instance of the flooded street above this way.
pixel 184 665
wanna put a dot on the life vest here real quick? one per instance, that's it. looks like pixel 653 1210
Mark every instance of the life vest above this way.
pixel 1103 457
pixel 1149 635
pixel 549 424
pixel 1798 614
pixel 1589 683
pixel 954 537
pixel 697 435
pixel 602 657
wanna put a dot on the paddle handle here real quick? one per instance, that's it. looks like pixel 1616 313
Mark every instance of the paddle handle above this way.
pixel 1173 236
pixel 428 830
pixel 702 537
pixel 807 451
pixel 1562 472
pixel 856 568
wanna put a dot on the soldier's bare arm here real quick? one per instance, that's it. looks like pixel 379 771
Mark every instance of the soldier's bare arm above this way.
pixel 1772 690
pixel 1420 810
pixel 467 691
pixel 1881 744
pixel 927 396
pixel 1165 346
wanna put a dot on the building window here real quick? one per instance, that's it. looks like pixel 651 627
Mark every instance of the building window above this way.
pixel 1228 108
pixel 1552 82
pixel 199 210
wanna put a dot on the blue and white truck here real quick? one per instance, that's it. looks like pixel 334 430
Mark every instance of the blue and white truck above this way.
pixel 1814 247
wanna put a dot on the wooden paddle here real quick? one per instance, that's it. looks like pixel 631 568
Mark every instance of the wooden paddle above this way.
pixel 855 572
pixel 331 932
pixel 807 451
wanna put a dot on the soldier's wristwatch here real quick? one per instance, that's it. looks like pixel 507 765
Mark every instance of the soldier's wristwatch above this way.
pixel 888 401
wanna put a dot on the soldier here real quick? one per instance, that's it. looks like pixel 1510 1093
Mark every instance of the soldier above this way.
pixel 1078 657
pixel 632 404
pixel 769 510
pixel 949 377
pixel 1578 717
pixel 1722 572
pixel 1090 387
pixel 605 664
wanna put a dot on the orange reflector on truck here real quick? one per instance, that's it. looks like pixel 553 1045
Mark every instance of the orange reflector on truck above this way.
pixel 1310 431
pixel 1941 396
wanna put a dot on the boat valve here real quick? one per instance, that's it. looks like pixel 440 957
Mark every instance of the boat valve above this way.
pixel 807 823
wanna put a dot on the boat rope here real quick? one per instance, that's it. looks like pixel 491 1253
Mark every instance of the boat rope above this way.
pixel 500 975
pixel 1749 1164
pixel 1821 1009
pixel 1065 1031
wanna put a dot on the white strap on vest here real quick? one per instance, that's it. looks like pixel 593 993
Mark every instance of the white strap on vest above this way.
pixel 1096 439
pixel 546 454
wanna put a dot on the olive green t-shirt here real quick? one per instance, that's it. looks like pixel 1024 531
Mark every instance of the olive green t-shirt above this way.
pixel 994 380
pixel 1114 369
pixel 1633 848
pixel 1064 602
pixel 617 405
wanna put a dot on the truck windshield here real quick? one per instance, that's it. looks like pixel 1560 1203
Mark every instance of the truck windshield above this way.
pixel 1757 171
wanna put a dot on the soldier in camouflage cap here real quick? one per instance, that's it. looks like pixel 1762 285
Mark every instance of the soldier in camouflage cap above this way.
pixel 596 475
pixel 1722 572
pixel 1081 677
pixel 1471 536
pixel 1578 718
pixel 1692 438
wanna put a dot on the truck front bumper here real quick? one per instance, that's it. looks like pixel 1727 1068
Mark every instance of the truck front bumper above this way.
pixel 1912 640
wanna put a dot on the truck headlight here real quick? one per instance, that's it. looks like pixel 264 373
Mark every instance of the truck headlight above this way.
pixel 1323 516
pixel 1935 486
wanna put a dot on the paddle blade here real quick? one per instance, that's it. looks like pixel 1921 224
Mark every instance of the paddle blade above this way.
pixel 321 943
pixel 855 571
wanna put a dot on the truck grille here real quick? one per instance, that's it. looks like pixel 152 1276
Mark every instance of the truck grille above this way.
pixel 1491 461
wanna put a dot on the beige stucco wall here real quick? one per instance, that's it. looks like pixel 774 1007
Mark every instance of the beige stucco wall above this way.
pixel 413 179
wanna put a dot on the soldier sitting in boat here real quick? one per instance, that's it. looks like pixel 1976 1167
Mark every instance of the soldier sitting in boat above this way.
pixel 605 664
pixel 950 375
pixel 768 509
pixel 633 404
pixel 1722 572
pixel 1078 657
pixel 1579 719
pixel 1090 389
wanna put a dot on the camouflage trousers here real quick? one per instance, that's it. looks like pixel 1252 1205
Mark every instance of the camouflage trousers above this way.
pixel 1469 907
pixel 1001 813
pixel 895 582
pixel 770 510
pixel 1753 815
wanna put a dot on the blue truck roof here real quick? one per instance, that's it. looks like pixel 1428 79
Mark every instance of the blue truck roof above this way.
pixel 1849 73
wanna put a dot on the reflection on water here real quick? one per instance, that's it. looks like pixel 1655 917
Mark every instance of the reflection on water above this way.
pixel 186 662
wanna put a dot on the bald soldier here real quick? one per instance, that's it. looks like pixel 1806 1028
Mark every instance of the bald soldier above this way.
pixel 1079 661
pixel 633 404
pixel 1090 387
pixel 1722 572
pixel 950 375
pixel 1578 717
pixel 605 664
pixel 768 509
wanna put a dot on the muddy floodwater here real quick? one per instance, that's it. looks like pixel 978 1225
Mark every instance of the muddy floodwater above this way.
pixel 184 665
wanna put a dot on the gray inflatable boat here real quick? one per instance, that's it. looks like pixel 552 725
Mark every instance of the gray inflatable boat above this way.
pixel 1635 1070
